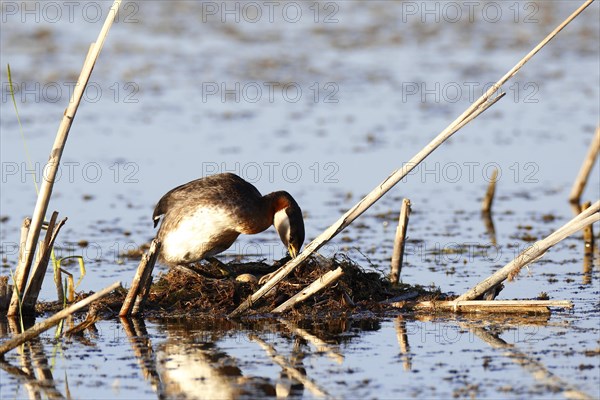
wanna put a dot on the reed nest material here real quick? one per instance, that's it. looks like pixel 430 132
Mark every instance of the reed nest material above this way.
pixel 201 292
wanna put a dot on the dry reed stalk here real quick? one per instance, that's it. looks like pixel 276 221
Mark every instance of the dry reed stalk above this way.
pixel 24 231
pixel 140 286
pixel 534 252
pixel 400 241
pixel 490 306
pixel 51 168
pixel 479 106
pixel 60 293
pixel 290 369
pixel 321 283
pixel 588 249
pixel 146 281
pixel 37 277
pixel 48 323
pixel 588 234
pixel 20 288
pixel 486 205
pixel 586 168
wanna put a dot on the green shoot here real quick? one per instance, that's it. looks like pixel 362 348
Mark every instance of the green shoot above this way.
pixel 12 95
pixel 82 273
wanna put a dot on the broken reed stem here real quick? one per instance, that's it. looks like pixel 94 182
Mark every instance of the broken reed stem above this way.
pixel 38 328
pixel 588 234
pixel 588 249
pixel 37 276
pixel 399 242
pixel 4 305
pixel 586 168
pixel 139 286
pixel 60 293
pixel 498 306
pixel 146 281
pixel 479 106
pixel 52 166
pixel 486 205
pixel 321 283
pixel 534 252
pixel 19 284
pixel 24 231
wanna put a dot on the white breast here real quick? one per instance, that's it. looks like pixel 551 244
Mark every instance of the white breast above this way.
pixel 198 236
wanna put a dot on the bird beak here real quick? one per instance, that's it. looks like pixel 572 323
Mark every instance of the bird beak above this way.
pixel 292 250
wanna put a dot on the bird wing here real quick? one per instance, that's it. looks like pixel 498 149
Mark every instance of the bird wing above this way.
pixel 223 189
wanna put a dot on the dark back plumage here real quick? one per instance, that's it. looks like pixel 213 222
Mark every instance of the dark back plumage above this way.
pixel 224 189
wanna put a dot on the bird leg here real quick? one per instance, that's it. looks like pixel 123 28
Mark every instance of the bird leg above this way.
pixel 187 270
pixel 221 266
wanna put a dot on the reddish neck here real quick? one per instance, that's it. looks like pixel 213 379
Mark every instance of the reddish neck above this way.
pixel 274 202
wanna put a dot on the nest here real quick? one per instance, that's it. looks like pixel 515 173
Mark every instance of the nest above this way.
pixel 201 290
pixel 206 290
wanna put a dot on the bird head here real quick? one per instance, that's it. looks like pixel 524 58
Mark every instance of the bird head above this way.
pixel 289 223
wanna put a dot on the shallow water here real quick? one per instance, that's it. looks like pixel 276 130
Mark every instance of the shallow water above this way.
pixel 357 90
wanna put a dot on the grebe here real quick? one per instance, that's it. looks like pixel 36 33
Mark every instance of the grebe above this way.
pixel 204 217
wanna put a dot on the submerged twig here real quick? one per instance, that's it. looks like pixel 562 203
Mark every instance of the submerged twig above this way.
pixel 53 164
pixel 472 112
pixel 586 168
pixel 48 323
pixel 400 241
pixel 533 253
